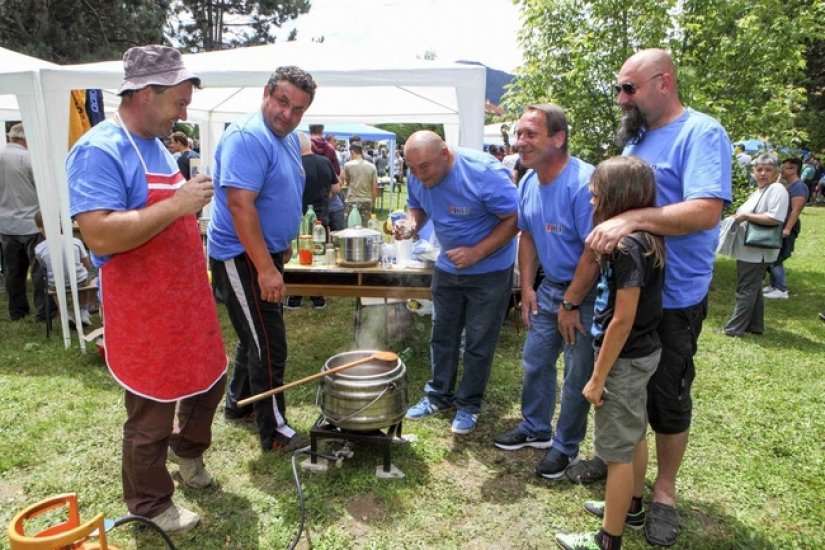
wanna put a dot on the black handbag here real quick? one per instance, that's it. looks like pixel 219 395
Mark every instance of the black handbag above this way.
pixel 763 236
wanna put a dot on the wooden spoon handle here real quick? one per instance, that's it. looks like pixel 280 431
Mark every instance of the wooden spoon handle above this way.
pixel 302 381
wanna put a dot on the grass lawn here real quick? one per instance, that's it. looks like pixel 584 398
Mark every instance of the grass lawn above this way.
pixel 752 477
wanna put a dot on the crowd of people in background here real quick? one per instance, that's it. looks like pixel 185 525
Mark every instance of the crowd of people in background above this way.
pixel 615 266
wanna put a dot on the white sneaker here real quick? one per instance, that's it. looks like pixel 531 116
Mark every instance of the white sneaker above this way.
pixel 777 294
pixel 192 471
pixel 85 318
pixel 176 519
pixel 767 289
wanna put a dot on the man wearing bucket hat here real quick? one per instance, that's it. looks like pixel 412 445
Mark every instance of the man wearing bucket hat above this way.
pixel 163 339
pixel 259 183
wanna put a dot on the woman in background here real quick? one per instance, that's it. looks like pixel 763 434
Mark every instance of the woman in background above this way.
pixel 768 205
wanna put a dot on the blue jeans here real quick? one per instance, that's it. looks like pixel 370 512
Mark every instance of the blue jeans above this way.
pixel 477 304
pixel 777 270
pixel 542 348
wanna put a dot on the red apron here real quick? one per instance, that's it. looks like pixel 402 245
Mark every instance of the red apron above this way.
pixel 163 337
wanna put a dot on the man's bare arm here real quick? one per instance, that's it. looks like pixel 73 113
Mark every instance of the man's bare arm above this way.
pixel 674 219
pixel 108 232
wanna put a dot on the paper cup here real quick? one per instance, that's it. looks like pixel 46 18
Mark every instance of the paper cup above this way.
pixel 403 252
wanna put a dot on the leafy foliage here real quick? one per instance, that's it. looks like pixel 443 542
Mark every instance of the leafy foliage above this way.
pixel 741 61
pixel 200 25
pixel 97 30
pixel 814 116
pixel 73 32
pixel 404 130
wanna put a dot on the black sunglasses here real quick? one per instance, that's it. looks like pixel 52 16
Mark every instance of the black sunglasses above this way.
pixel 629 88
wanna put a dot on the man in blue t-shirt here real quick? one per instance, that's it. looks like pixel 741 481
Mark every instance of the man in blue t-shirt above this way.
pixel 136 213
pixel 798 194
pixel 259 182
pixel 472 203
pixel 555 216
pixel 690 156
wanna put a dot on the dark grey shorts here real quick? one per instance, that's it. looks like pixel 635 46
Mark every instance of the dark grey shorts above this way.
pixel 621 422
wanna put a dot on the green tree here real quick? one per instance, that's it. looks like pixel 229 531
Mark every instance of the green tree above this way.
pixel 741 61
pixel 204 25
pixel 64 31
pixel 404 130
pixel 814 115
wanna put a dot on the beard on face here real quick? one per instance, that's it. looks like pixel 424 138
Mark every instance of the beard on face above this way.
pixel 630 127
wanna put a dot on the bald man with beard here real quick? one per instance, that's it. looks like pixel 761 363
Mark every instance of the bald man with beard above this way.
pixel 690 154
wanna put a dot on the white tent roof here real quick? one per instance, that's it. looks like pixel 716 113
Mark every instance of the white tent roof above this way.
pixel 351 88
pixel 492 133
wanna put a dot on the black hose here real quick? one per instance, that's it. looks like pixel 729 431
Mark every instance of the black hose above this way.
pixel 300 492
pixel 148 523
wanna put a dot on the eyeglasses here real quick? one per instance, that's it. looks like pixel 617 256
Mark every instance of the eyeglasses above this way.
pixel 630 88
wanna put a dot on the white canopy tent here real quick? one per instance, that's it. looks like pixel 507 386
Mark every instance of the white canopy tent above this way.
pixel 351 88
pixel 492 133
pixel 345 130
pixel 21 98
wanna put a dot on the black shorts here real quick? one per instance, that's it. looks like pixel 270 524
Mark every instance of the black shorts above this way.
pixel 669 405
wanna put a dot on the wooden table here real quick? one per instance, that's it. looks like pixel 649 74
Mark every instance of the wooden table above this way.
pixel 358 282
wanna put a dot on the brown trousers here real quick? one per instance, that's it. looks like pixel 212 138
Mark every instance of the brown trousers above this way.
pixel 150 429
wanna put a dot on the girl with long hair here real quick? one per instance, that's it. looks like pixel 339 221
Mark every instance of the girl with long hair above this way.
pixel 628 310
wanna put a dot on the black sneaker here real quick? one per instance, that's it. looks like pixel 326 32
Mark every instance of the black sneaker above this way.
pixel 284 445
pixel 587 471
pixel 635 520
pixel 514 439
pixel 319 302
pixel 292 303
pixel 554 464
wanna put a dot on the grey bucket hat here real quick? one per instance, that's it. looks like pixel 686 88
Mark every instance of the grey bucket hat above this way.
pixel 147 65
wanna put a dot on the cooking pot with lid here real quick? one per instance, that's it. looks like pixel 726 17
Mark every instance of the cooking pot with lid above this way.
pixel 358 247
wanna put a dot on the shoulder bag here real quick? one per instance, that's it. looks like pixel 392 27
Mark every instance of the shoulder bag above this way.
pixel 763 236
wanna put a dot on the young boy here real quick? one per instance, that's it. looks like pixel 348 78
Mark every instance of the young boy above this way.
pixel 81 263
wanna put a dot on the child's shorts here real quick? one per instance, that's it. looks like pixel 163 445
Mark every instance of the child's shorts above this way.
pixel 621 422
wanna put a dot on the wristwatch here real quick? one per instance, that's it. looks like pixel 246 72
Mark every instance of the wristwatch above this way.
pixel 569 306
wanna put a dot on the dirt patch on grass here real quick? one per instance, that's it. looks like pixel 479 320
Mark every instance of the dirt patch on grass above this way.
pixel 366 508
pixel 10 491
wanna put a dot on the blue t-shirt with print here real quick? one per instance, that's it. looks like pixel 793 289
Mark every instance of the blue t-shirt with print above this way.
pixel 249 156
pixel 465 207
pixel 690 158
pixel 796 189
pixel 105 173
pixel 559 217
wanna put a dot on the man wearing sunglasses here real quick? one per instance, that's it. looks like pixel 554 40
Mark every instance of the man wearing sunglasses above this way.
pixel 690 154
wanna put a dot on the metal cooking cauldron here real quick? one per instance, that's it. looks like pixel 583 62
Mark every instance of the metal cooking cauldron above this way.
pixel 366 397
pixel 358 247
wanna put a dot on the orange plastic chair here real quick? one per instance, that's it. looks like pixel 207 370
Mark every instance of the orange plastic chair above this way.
pixel 68 534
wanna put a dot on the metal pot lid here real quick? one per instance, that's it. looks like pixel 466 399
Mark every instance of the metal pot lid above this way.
pixel 356 232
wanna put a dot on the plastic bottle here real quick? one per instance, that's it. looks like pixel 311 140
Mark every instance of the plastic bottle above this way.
pixel 319 243
pixel 308 221
pixel 373 223
pixel 406 355
pixel 354 218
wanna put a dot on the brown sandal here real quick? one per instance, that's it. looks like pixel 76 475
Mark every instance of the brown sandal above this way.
pixel 662 524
